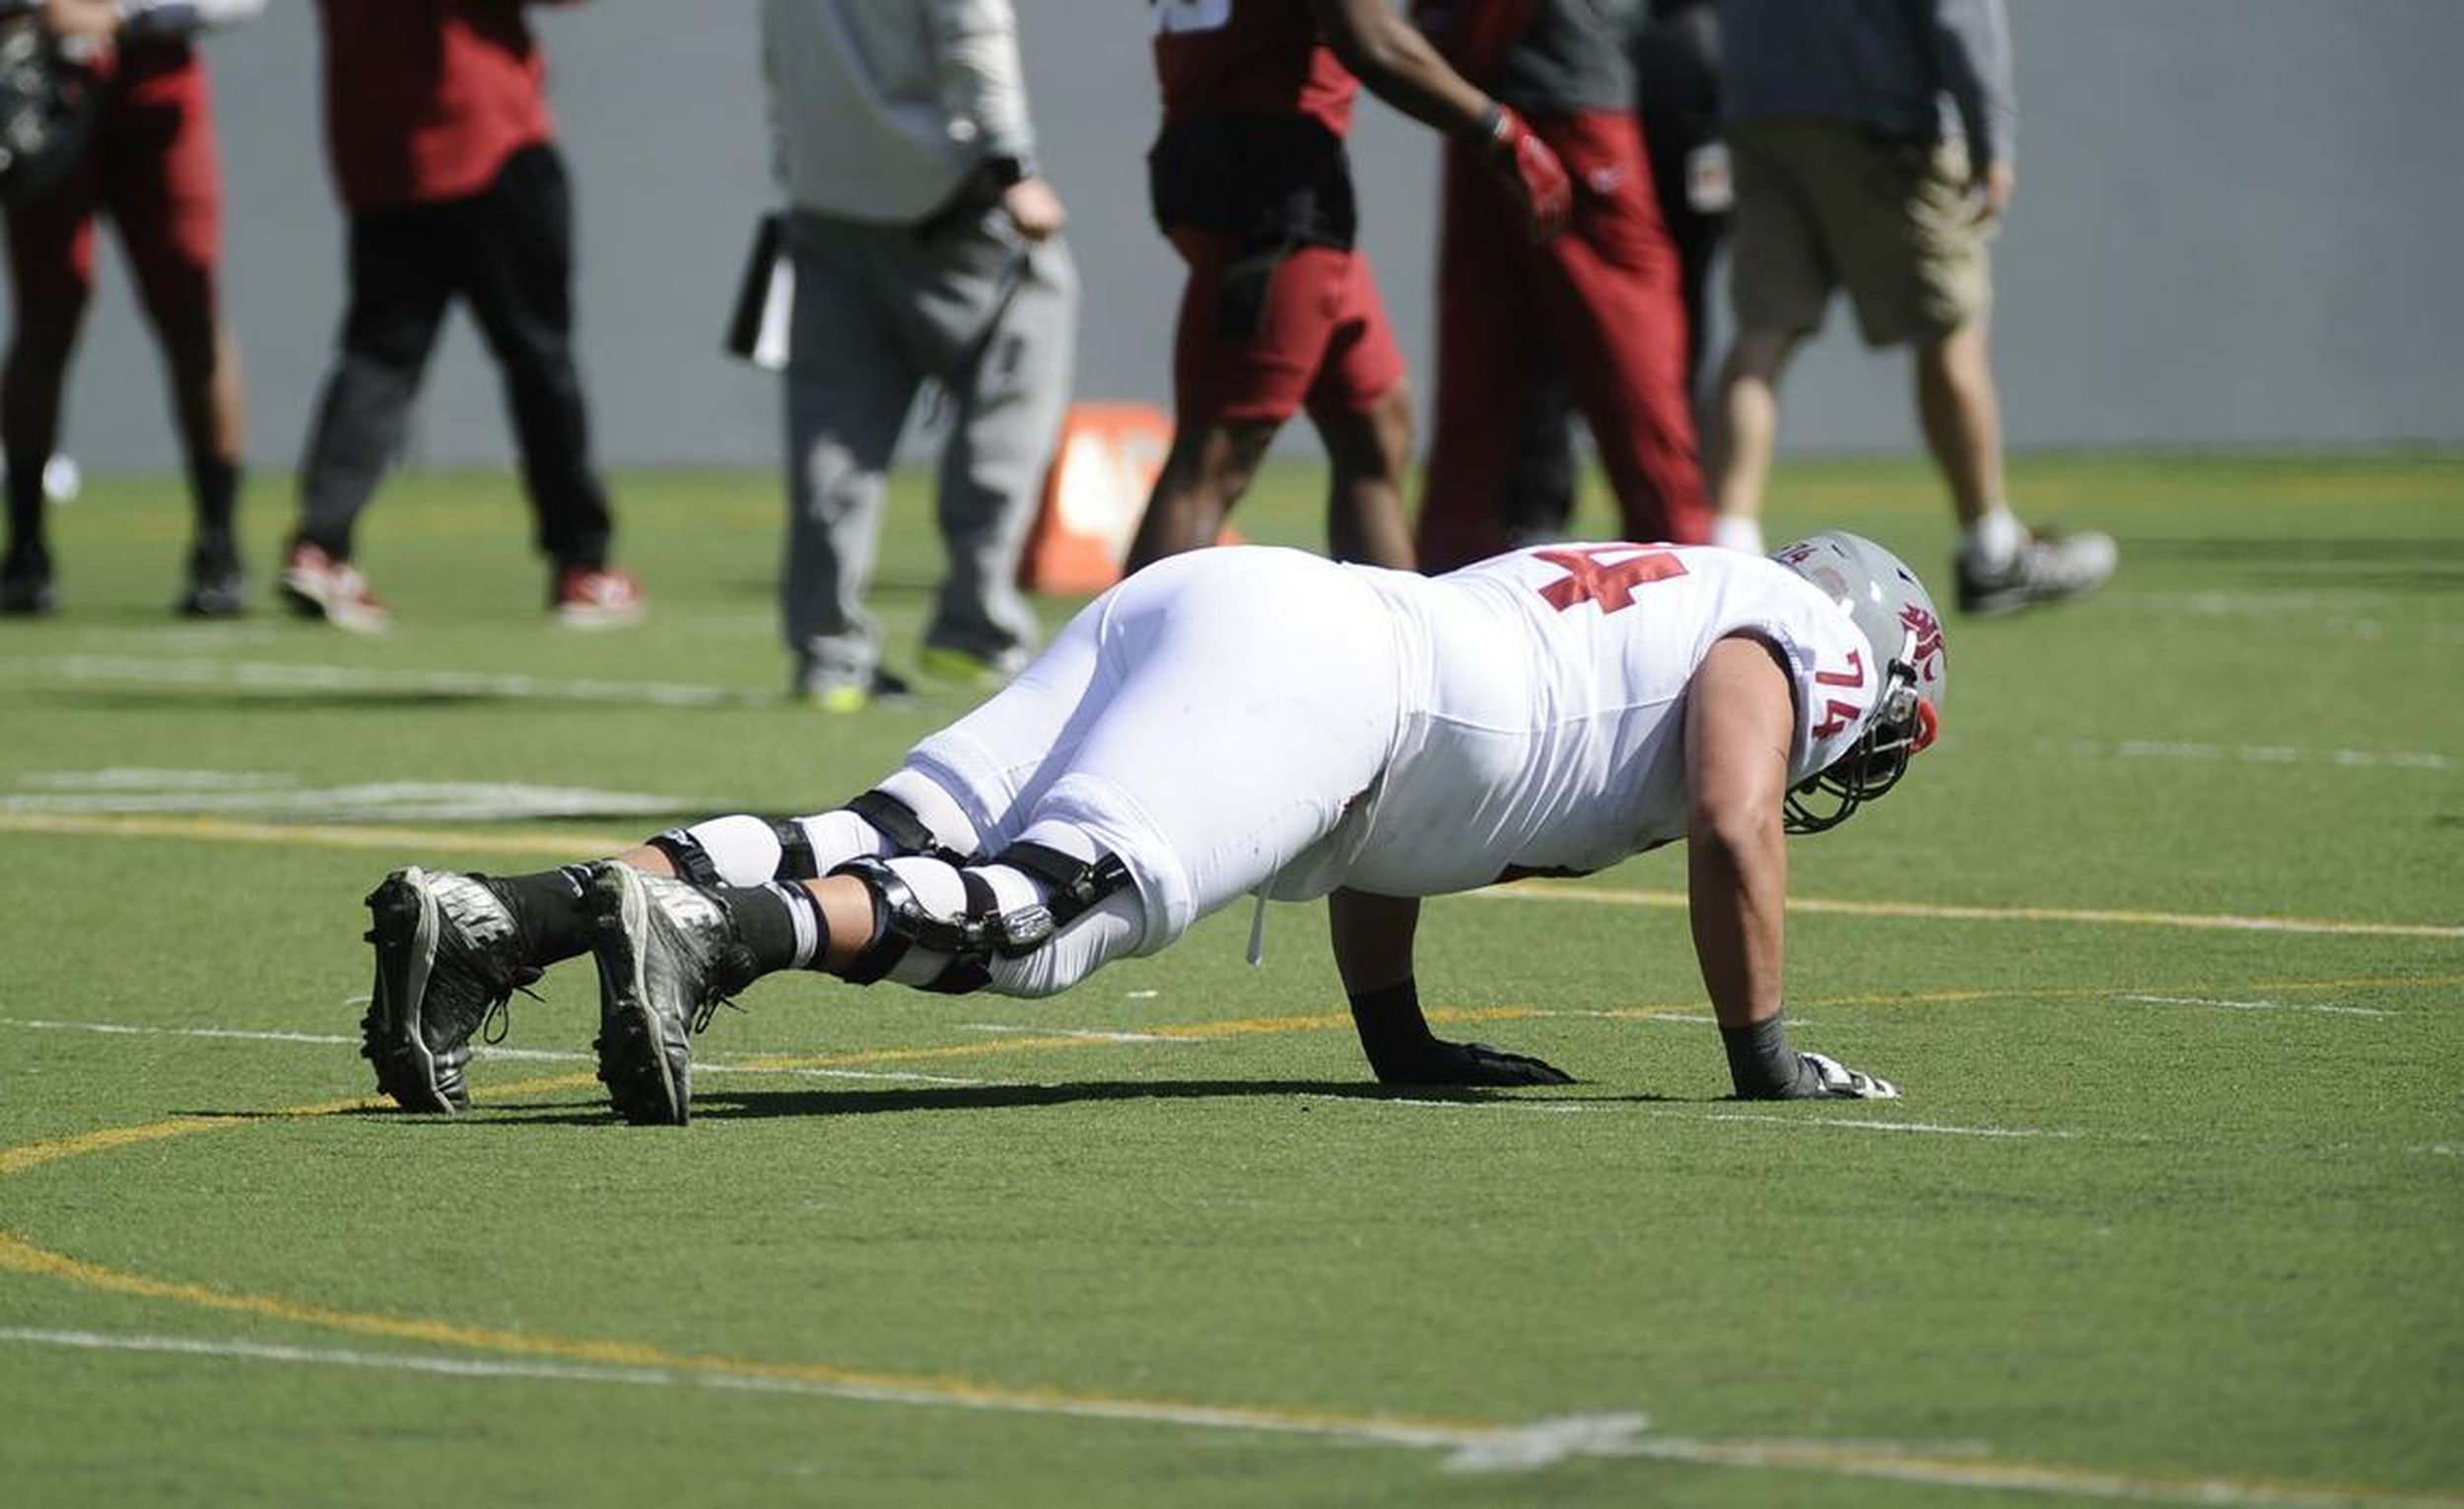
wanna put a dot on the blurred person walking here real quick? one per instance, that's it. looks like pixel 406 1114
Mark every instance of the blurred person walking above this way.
pixel 1872 149
pixel 444 153
pixel 1602 300
pixel 1676 49
pixel 152 164
pixel 1251 182
pixel 924 244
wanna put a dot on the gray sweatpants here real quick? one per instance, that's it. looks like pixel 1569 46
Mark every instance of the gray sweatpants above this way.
pixel 878 310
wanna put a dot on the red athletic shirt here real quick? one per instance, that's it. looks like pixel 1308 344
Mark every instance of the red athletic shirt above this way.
pixel 1262 55
pixel 426 99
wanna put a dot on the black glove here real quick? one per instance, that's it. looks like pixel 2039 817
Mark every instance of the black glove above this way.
pixel 1444 1062
pixel 1403 1051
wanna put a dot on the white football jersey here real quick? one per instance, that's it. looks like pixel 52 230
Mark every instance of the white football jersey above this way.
pixel 1542 726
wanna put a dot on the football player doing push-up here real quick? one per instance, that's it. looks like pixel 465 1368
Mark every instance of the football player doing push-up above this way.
pixel 1255 722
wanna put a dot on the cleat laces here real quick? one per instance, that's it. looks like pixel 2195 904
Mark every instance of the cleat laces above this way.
pixel 499 1019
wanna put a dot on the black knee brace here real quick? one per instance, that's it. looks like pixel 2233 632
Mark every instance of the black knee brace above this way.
pixel 685 853
pixel 899 824
pixel 970 940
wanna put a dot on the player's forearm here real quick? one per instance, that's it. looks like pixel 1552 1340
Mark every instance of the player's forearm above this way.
pixel 1373 939
pixel 1395 62
pixel 1737 878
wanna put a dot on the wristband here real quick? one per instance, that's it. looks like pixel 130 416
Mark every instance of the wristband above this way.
pixel 1761 1063
pixel 1392 1032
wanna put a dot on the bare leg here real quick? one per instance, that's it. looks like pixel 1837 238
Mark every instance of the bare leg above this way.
pixel 1369 451
pixel 1961 413
pixel 1205 473
pixel 1746 416
pixel 30 406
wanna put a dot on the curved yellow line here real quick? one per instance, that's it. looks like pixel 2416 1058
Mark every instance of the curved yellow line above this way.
pixel 19 1254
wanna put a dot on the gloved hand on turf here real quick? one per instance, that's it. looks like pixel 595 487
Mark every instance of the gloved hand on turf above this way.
pixel 1820 1078
pixel 1763 1067
pixel 1442 1062
pixel 1403 1051
pixel 1531 170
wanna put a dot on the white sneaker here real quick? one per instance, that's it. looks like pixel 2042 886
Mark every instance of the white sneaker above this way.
pixel 2046 568
pixel 316 585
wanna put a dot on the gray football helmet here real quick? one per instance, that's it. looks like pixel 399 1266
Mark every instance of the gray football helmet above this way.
pixel 1892 610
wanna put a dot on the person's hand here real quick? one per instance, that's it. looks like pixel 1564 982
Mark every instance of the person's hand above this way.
pixel 1034 209
pixel 1821 1077
pixel 81 18
pixel 1440 1063
pixel 1992 189
pixel 1531 171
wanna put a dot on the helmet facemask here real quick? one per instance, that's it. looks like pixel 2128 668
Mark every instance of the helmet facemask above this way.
pixel 1902 724
pixel 1895 618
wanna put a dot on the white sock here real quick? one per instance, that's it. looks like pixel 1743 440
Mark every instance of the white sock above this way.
pixel 803 917
pixel 1737 531
pixel 1994 538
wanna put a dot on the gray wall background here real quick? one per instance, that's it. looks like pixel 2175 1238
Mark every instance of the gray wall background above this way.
pixel 2238 224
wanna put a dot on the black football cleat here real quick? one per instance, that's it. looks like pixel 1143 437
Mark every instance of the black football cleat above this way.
pixel 447 959
pixel 216 587
pixel 26 582
pixel 668 954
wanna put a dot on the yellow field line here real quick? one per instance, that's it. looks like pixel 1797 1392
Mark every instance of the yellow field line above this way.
pixel 563 845
pixel 1550 890
pixel 18 1255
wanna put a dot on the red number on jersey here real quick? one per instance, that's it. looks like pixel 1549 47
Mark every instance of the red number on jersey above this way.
pixel 1611 584
pixel 1841 714
pixel 1854 675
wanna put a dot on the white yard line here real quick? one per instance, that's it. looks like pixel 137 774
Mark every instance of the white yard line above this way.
pixel 286 676
pixel 2255 1006
pixel 1810 1119
pixel 2259 754
pixel 1466 1447
pixel 1090 1034
pixel 1858 1123
pixel 478 1050
pixel 212 829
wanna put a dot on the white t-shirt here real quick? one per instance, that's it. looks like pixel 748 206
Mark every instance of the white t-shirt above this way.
pixel 1542 726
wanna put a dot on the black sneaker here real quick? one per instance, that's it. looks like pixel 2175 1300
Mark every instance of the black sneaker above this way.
pixel 667 956
pixel 2046 568
pixel 447 961
pixel 216 587
pixel 26 582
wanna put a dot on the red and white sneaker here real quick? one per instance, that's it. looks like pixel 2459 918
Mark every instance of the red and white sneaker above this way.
pixel 316 585
pixel 596 597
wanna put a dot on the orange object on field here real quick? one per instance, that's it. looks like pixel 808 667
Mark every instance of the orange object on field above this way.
pixel 1106 464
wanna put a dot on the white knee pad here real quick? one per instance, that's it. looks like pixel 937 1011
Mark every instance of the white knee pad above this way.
pixel 736 850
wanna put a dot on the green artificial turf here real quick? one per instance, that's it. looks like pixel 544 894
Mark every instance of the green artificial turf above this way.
pixel 2172 1212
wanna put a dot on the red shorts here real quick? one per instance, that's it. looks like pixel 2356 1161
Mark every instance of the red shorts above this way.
pixel 151 164
pixel 1322 337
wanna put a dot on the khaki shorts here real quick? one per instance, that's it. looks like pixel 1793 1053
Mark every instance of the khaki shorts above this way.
pixel 1822 204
